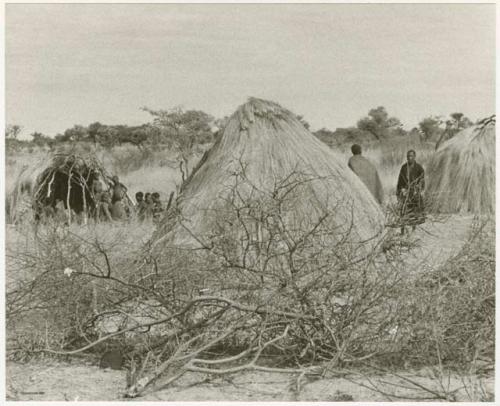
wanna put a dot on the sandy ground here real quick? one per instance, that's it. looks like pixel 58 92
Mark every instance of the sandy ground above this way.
pixel 434 242
pixel 58 381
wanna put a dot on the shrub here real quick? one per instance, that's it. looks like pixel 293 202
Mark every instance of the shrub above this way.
pixel 449 318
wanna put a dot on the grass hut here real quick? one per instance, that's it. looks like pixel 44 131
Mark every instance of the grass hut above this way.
pixel 66 181
pixel 461 174
pixel 270 144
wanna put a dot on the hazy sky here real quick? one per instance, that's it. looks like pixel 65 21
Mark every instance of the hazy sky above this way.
pixel 80 63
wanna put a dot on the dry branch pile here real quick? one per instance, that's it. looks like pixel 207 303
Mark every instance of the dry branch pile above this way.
pixel 258 293
pixel 461 175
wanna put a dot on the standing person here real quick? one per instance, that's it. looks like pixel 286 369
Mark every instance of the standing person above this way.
pixel 118 209
pixel 97 191
pixel 411 184
pixel 119 190
pixel 367 172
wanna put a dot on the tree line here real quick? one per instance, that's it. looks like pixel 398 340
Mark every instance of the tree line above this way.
pixel 182 130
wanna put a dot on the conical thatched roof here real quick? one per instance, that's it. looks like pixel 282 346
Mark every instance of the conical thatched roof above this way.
pixel 270 144
pixel 461 175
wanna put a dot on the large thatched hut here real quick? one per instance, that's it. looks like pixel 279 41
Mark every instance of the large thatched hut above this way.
pixel 264 144
pixel 461 174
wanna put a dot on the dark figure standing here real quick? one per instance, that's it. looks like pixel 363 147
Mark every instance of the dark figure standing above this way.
pixel 411 184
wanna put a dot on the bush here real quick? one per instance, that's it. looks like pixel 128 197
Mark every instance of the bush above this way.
pixel 62 282
pixel 257 291
pixel 449 318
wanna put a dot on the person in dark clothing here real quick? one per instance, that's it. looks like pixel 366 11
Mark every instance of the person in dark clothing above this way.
pixel 411 184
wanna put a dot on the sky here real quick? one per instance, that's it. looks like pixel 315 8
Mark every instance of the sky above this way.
pixel 70 64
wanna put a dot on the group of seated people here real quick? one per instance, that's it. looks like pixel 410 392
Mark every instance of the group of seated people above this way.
pixel 148 206
pixel 113 205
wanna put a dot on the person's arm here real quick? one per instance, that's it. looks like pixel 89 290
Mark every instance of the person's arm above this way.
pixel 421 178
pixel 401 182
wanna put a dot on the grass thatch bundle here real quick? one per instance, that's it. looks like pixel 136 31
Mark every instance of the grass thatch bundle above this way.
pixel 264 149
pixel 18 188
pixel 461 175
pixel 68 178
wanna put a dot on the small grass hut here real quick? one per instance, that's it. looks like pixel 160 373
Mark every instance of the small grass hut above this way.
pixel 67 179
pixel 269 144
pixel 461 174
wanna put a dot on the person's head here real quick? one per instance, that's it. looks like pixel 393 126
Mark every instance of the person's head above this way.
pixel 147 197
pixel 155 196
pixel 411 155
pixel 139 196
pixel 115 179
pixel 356 149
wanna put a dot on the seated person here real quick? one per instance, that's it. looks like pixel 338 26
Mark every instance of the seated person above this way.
pixel 140 206
pixel 148 206
pixel 157 206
